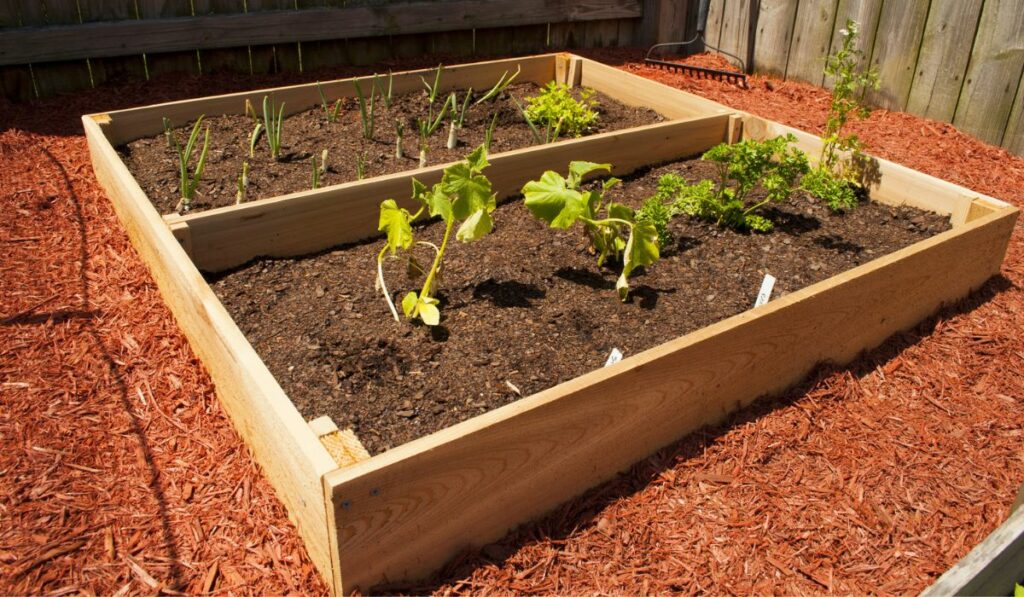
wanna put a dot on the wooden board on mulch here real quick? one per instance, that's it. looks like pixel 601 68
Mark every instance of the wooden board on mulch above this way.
pixel 307 134
pixel 876 478
pixel 526 307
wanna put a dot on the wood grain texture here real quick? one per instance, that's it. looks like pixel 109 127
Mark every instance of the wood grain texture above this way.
pixel 866 13
pixel 404 512
pixel 991 568
pixel 897 46
pixel 773 36
pixel 735 33
pixel 1013 138
pixel 945 52
pixel 289 453
pixel 310 221
pixel 812 38
pixel 268 27
pixel 713 26
pixel 638 91
pixel 994 73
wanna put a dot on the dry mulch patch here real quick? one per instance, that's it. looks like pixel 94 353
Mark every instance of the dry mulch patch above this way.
pixel 119 469
pixel 525 295
pixel 307 134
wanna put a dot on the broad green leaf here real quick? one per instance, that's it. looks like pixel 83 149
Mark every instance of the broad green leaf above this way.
pixel 396 222
pixel 550 200
pixel 621 212
pixel 579 169
pixel 641 249
pixel 418 188
pixel 471 191
pixel 609 183
pixel 428 311
pixel 438 203
pixel 475 226
pixel 409 304
pixel 478 159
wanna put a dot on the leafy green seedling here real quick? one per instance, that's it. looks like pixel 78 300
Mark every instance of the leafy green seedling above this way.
pixel 273 125
pixel 555 106
pixel 188 182
pixel 367 114
pixel 463 196
pixel 243 184
pixel 617 233
pixel 503 82
pixel 331 112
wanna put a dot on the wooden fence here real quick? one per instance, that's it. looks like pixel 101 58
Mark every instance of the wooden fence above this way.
pixel 959 61
pixel 54 46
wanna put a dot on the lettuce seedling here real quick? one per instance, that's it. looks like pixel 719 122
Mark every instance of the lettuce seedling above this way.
pixel 463 196
pixel 555 106
pixel 560 202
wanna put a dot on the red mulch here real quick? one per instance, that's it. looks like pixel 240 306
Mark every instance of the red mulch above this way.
pixel 119 472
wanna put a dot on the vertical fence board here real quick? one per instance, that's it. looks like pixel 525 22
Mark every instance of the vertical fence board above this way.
pixel 1013 140
pixel 56 77
pixel 994 72
pixel 170 62
pixel 532 39
pixel 601 34
pixel 945 52
pixel 15 81
pixel 627 29
pixel 812 36
pixel 866 13
pixel 774 35
pixel 713 27
pixel 566 36
pixel 897 45
pixel 735 35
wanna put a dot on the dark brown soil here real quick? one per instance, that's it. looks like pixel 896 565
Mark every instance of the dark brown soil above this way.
pixel 525 308
pixel 306 134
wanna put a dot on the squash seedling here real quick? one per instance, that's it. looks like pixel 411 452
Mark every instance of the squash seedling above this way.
pixel 458 117
pixel 617 233
pixel 367 115
pixel 463 196
pixel 331 112
pixel 499 87
pixel 189 181
pixel 273 125
pixel 243 184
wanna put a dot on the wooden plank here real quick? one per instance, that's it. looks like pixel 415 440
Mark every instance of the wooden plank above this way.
pixel 289 453
pixel 994 73
pixel 131 124
pixel 1013 138
pixel 637 91
pixel 736 32
pixel 812 38
pixel 945 52
pixel 991 568
pixel 269 27
pixel 310 221
pixel 601 34
pixel 713 25
pixel 61 77
pixel 774 34
pixel 159 63
pixel 402 513
pixel 866 13
pixel 897 46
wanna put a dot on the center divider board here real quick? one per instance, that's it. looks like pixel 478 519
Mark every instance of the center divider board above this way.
pixel 403 513
pixel 311 221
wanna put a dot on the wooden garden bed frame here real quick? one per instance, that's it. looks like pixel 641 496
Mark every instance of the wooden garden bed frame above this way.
pixel 401 514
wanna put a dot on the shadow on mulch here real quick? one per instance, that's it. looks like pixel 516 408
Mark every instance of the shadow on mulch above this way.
pixel 583 512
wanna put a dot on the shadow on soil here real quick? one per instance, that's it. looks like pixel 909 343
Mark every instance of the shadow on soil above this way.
pixel 584 511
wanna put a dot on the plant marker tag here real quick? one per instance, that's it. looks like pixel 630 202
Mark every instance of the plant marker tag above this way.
pixel 614 357
pixel 766 290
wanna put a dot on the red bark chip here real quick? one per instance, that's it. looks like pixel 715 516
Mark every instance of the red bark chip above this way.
pixel 120 472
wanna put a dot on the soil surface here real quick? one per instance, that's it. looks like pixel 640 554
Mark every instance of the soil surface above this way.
pixel 525 308
pixel 307 134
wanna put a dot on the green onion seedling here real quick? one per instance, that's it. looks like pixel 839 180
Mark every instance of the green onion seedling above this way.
pixel 360 166
pixel 273 125
pixel 318 169
pixel 499 87
pixel 168 132
pixel 188 182
pixel 399 134
pixel 368 115
pixel 458 117
pixel 243 184
pixel 385 95
pixel 331 112
pixel 489 133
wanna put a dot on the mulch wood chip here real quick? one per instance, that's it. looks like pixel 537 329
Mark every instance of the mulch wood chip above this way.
pixel 119 472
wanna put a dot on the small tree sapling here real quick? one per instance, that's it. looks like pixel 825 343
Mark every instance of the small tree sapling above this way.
pixel 463 196
pixel 616 233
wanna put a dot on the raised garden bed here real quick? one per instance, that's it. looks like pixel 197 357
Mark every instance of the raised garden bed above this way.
pixel 403 512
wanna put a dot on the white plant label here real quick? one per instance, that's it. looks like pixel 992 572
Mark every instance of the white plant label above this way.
pixel 614 357
pixel 766 290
